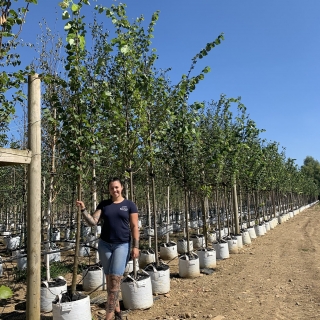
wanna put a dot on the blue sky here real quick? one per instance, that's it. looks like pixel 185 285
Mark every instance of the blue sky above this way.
pixel 270 57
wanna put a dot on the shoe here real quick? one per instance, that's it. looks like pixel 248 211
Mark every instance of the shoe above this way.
pixel 118 315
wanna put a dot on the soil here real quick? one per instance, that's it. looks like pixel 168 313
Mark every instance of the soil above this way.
pixel 276 277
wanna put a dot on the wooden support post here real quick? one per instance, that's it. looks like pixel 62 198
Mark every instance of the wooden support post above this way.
pixel 168 214
pixel 204 206
pixel 34 201
pixel 235 209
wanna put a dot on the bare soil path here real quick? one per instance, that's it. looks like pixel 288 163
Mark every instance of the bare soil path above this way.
pixel 277 277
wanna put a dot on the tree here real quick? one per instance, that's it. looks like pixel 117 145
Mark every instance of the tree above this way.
pixel 311 169
pixel 11 22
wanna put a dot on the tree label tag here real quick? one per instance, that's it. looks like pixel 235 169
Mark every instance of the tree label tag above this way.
pixel 141 284
pixel 66 306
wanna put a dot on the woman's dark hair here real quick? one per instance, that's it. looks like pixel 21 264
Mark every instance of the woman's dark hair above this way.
pixel 114 179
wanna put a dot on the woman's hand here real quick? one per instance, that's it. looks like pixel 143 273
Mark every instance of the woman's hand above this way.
pixel 135 253
pixel 80 204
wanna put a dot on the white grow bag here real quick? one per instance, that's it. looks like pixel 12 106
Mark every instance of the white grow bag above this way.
pixel 252 233
pixel 274 222
pixel 92 279
pixel 221 232
pixel 260 230
pixel 189 268
pixel 72 310
pixel 168 251
pixel 198 240
pixel 194 224
pixel 239 241
pixel 233 245
pixel 13 242
pixel 85 231
pixel 271 224
pixel 148 232
pixel 146 257
pixel 129 267
pixel 207 258
pixel 244 225
pixel 55 256
pixel 55 235
pixel 246 237
pixel 22 260
pixel 211 237
pixel 267 226
pixel 182 246
pixel 222 249
pixel 160 279
pixel 48 294
pixel 84 251
pixel 137 294
pixel 67 234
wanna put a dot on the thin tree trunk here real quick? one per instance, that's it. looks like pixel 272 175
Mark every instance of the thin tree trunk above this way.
pixel 235 208
pixel 76 260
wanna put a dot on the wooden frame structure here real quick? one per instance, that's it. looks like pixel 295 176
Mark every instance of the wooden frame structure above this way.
pixel 9 157
pixel 31 157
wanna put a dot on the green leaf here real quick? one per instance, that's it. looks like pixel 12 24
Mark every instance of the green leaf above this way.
pixel 124 49
pixel 75 7
pixel 67 26
pixel 206 70
pixel 108 48
pixel 65 15
pixel 109 13
pixel 82 42
pixel 5 292
pixel 71 41
pixel 64 4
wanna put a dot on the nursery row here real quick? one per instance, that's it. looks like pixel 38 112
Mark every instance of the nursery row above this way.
pixel 138 290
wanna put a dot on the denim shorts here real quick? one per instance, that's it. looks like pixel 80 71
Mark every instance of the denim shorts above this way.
pixel 114 257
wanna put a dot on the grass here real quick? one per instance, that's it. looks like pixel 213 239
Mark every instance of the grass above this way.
pixel 57 268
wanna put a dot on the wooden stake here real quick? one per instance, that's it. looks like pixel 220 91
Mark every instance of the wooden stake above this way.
pixel 34 201
pixel 235 208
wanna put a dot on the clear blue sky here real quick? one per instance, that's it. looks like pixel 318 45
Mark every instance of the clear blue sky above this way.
pixel 270 57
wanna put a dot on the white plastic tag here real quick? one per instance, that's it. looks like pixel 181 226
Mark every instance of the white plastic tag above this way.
pixel 141 284
pixel 66 306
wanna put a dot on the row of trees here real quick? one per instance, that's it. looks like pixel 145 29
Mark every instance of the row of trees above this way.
pixel 113 112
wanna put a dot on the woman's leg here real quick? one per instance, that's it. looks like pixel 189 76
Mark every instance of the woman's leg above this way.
pixel 105 253
pixel 113 295
pixel 112 287
pixel 117 266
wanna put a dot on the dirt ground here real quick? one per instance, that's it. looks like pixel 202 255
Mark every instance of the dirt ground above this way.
pixel 276 277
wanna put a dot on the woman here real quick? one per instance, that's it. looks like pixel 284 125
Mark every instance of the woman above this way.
pixel 120 218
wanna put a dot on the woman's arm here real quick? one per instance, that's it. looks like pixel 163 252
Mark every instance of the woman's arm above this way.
pixel 93 219
pixel 134 226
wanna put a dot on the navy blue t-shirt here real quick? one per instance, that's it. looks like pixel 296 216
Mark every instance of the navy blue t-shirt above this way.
pixel 116 217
